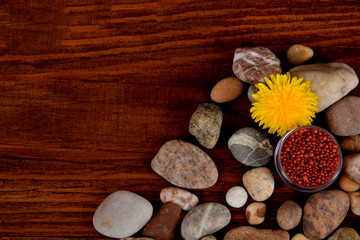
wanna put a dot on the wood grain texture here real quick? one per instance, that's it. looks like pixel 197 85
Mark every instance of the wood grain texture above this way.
pixel 91 89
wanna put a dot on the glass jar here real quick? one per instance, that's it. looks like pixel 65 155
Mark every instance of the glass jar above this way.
pixel 288 180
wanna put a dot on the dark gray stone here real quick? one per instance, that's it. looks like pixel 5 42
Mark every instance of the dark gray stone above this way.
pixel 250 147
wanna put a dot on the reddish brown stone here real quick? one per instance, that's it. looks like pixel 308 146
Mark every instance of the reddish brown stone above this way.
pixel 251 233
pixel 165 223
pixel 324 212
pixel 252 64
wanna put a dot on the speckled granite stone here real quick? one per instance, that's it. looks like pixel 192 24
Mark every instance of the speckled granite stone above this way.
pixel 185 165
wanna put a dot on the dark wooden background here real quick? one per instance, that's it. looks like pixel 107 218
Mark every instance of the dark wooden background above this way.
pixel 91 89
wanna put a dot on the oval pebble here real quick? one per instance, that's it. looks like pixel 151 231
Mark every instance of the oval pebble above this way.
pixel 185 165
pixel 255 213
pixel 205 124
pixel 324 212
pixel 355 202
pixel 352 166
pixel 259 182
pixel 204 219
pixel 299 236
pixel 298 54
pixel 236 197
pixel 289 215
pixel 343 117
pixel 345 233
pixel 226 90
pixel 183 198
pixel 347 184
pixel 251 147
pixel 351 144
pixel 122 214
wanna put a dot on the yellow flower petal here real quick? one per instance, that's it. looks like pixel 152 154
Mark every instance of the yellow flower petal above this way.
pixel 283 103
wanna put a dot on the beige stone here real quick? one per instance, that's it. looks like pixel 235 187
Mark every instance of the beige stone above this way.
pixel 347 184
pixel 227 90
pixel 259 182
pixel 299 236
pixel 236 197
pixel 255 213
pixel 355 202
pixel 298 54
pixel 329 81
pixel 352 166
pixel 204 219
pixel 345 233
pixel 209 237
pixel 289 215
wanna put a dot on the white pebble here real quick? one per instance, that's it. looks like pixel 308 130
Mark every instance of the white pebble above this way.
pixel 236 197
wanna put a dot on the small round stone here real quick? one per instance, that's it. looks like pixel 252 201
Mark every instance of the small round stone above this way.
pixel 347 184
pixel 299 236
pixel 255 213
pixel 298 54
pixel 259 183
pixel 236 197
pixel 226 90
pixel 289 215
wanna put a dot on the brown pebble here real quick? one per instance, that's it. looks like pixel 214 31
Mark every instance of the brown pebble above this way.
pixel 289 215
pixel 355 202
pixel 347 184
pixel 226 90
pixel 298 54
pixel 255 213
pixel 351 144
pixel 251 233
pixel 165 223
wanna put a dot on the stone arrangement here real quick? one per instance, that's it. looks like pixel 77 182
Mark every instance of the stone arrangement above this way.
pixel 123 214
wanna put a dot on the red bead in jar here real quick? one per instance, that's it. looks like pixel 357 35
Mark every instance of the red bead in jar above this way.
pixel 308 159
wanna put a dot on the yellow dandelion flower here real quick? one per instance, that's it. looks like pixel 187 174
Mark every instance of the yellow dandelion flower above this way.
pixel 283 104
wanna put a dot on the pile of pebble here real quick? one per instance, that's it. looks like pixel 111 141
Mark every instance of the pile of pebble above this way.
pixel 123 213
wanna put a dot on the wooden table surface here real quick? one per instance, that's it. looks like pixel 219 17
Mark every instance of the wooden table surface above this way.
pixel 91 89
